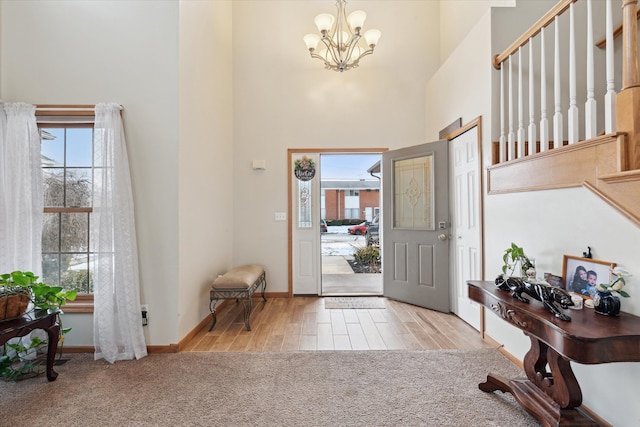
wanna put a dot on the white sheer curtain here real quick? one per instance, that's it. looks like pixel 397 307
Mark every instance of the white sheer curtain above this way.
pixel 21 193
pixel 117 322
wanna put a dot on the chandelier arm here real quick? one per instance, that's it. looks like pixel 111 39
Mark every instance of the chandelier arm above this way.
pixel 363 54
pixel 331 50
pixel 353 42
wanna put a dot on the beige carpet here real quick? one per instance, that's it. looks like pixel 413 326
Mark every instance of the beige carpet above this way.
pixel 369 388
pixel 353 302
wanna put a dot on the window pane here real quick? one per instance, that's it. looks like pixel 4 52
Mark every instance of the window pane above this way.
pixel 75 232
pixel 304 204
pixel 52 150
pixel 51 232
pixel 78 188
pixel 79 147
pixel 50 269
pixel 76 275
pixel 53 181
pixel 413 193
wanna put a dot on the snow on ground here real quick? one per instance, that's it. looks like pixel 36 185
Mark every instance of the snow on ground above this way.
pixel 338 242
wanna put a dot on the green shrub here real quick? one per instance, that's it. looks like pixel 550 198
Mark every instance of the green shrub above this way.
pixel 369 255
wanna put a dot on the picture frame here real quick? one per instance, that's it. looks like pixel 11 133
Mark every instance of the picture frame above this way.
pixel 580 274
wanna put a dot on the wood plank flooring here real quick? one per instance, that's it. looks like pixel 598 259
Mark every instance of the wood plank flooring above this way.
pixel 302 323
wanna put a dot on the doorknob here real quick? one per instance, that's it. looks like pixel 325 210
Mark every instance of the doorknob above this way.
pixel 442 237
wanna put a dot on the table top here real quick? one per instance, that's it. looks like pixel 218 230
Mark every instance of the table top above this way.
pixel 26 319
pixel 588 338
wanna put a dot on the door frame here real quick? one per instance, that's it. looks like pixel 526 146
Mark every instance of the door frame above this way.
pixel 477 123
pixel 290 153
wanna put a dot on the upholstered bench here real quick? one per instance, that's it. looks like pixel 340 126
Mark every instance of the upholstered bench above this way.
pixel 239 283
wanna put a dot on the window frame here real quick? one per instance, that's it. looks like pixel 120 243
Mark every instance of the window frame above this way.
pixel 69 116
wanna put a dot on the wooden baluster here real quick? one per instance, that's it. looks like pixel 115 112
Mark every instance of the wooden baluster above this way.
pixel 532 126
pixel 520 107
pixel 558 133
pixel 503 138
pixel 512 135
pixel 590 112
pixel 544 122
pixel 572 114
pixel 610 96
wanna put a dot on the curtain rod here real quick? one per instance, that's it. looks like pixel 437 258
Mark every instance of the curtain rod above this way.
pixel 67 107
pixel 66 110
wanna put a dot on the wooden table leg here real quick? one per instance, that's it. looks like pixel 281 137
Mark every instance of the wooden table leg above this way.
pixel 550 396
pixel 53 332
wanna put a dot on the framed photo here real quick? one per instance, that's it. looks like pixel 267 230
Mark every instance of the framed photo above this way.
pixel 581 275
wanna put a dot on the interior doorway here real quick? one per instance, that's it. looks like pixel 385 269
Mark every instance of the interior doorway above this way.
pixel 350 199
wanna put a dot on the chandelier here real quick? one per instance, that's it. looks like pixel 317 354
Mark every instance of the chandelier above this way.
pixel 342 39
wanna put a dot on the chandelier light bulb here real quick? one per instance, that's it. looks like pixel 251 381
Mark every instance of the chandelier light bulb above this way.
pixel 343 40
pixel 356 19
pixel 324 22
pixel 372 37
pixel 311 40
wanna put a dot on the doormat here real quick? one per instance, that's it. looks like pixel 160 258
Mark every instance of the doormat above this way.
pixel 354 302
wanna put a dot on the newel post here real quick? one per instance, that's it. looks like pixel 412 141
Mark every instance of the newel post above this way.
pixel 628 100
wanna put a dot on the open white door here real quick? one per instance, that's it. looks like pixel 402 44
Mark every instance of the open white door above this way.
pixel 415 226
pixel 305 228
pixel 466 225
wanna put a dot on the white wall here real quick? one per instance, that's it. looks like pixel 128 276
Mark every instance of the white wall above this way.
pixel 458 17
pixel 205 155
pixel 80 52
pixel 548 224
pixel 284 99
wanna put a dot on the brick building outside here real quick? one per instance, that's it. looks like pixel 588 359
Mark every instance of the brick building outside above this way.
pixel 350 199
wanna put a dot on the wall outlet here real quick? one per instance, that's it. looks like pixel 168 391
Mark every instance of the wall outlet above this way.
pixel 144 308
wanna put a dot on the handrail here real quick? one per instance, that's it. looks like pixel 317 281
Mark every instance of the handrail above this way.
pixel 617 32
pixel 547 19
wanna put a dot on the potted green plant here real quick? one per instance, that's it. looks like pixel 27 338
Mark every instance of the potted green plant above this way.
pixel 17 291
pixel 514 258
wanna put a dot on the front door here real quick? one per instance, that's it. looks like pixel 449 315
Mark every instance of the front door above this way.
pixel 415 225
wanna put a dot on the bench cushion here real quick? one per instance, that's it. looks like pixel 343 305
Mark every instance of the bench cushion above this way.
pixel 241 277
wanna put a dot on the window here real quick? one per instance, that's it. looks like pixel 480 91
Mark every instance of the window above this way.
pixel 67 158
pixel 352 213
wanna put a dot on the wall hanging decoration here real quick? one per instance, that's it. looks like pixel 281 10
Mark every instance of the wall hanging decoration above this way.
pixel 305 169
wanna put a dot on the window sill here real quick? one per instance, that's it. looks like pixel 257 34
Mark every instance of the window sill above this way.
pixel 82 304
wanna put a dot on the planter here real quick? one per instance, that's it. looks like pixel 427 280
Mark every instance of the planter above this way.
pixel 14 305
pixel 607 304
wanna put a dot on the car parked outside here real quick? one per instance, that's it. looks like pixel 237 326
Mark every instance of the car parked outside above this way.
pixel 372 236
pixel 359 229
pixel 323 226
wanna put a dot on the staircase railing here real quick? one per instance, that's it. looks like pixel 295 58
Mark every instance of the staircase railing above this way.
pixel 545 129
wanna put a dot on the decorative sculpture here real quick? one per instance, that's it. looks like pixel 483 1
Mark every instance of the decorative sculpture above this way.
pixel 548 295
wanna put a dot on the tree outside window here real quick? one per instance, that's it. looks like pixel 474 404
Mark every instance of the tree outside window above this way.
pixel 67 157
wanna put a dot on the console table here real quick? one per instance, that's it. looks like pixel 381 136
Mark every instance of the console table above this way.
pixel 553 396
pixel 42 319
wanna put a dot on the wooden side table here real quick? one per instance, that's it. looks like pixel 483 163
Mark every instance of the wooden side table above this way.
pixel 47 320
pixel 553 396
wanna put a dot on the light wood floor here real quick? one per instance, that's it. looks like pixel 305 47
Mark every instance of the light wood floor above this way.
pixel 302 323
